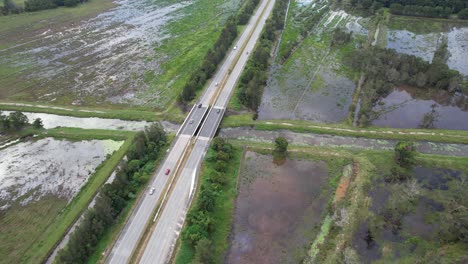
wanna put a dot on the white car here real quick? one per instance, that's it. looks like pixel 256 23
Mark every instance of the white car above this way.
pixel 235 47
pixel 151 191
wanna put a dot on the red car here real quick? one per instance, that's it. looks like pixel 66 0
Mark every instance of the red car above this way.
pixel 167 171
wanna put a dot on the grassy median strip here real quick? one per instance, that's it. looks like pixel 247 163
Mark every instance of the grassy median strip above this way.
pixel 220 177
pixel 434 135
pixel 58 227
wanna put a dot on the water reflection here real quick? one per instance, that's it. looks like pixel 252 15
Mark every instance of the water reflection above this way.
pixel 405 107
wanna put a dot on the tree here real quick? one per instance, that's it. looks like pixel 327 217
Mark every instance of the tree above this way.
pixel 203 252
pixel 405 154
pixel 194 233
pixel 155 133
pixel 463 14
pixel 18 120
pixel 281 145
pixel 38 123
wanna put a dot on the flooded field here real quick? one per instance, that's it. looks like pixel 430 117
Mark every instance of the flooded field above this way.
pixel 414 220
pixel 277 209
pixel 34 169
pixel 421 38
pixel 309 84
pixel 353 143
pixel 104 57
pixel 52 121
pixel 406 107
pixel 111 58
pixel 37 180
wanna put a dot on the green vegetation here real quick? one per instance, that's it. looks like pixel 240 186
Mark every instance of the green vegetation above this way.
pixel 299 25
pixel 16 121
pixel 281 149
pixel 86 134
pixel 124 114
pixel 357 219
pixel 405 154
pixel 441 9
pixel 208 224
pixel 210 62
pixel 385 69
pixel 195 34
pixel 434 135
pixel 114 196
pixel 23 224
pixel 253 78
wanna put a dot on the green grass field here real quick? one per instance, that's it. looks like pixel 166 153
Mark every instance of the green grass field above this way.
pixel 21 226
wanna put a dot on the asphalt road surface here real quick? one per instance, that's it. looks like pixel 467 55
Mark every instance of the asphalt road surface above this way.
pixel 162 241
pixel 164 237
pixel 133 230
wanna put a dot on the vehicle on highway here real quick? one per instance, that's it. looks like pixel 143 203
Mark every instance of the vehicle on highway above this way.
pixel 247 53
pixel 218 110
pixel 199 105
pixel 167 171
pixel 216 84
pixel 151 191
pixel 235 47
pixel 191 121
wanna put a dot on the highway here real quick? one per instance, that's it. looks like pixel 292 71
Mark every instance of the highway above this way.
pixel 185 147
pixel 160 245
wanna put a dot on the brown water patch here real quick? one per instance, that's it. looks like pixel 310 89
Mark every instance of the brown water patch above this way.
pixel 276 209
pixel 405 107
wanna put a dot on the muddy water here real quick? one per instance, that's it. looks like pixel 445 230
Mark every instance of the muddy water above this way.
pixel 424 44
pixel 353 143
pixel 31 170
pixel 291 96
pixel 405 107
pixel 407 42
pixel 52 121
pixel 105 57
pixel 276 210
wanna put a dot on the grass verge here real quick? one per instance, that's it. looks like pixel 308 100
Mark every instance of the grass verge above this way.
pixel 434 135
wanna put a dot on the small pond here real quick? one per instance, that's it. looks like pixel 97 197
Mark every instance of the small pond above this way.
pixel 405 107
pixel 277 208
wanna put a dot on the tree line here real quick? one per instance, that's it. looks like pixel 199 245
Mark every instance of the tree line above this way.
pixel 216 54
pixel 115 196
pixel 199 225
pixel 423 8
pixel 255 75
pixel 386 68
pixel 17 121
pixel 9 7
